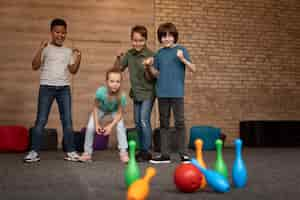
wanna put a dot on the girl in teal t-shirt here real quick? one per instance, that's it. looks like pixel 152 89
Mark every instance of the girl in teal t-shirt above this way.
pixel 109 101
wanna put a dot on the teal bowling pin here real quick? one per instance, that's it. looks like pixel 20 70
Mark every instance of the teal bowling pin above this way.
pixel 215 180
pixel 220 165
pixel 132 171
pixel 239 171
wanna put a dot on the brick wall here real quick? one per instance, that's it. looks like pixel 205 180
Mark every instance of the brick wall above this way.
pixel 100 29
pixel 247 55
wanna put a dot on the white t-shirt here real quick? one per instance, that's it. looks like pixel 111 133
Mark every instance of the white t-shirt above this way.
pixel 54 68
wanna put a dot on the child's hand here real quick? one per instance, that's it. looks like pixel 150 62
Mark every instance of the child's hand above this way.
pixel 180 54
pixel 148 62
pixel 120 53
pixel 77 52
pixel 107 130
pixel 102 131
pixel 43 44
pixel 99 129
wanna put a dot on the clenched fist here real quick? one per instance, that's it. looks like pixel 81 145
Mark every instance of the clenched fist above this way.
pixel 180 54
pixel 148 62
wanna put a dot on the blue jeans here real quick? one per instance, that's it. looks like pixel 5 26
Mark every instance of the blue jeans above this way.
pixel 142 119
pixel 62 95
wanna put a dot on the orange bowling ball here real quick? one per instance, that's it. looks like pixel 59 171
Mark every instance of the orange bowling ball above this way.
pixel 187 178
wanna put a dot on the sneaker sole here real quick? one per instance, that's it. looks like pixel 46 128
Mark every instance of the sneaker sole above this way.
pixel 32 161
pixel 71 159
pixel 141 161
pixel 85 161
pixel 159 162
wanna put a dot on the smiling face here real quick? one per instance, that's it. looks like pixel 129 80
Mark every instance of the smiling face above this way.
pixel 138 41
pixel 58 35
pixel 168 40
pixel 113 82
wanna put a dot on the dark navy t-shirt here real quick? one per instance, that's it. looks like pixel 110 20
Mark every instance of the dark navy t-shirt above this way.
pixel 170 82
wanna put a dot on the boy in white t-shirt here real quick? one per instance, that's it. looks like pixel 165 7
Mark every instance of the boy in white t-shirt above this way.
pixel 56 62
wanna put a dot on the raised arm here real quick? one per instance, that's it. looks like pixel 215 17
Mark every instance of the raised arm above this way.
pixel 37 59
pixel 187 63
pixel 150 71
pixel 121 61
pixel 73 68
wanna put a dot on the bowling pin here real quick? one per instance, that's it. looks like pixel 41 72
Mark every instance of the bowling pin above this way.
pixel 132 171
pixel 139 190
pixel 220 165
pixel 239 171
pixel 214 179
pixel 199 157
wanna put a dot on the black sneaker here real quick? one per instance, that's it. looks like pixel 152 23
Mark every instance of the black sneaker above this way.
pixel 185 158
pixel 147 156
pixel 160 159
pixel 143 156
pixel 138 155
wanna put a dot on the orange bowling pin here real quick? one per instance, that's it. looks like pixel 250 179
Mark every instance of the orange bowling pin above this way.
pixel 199 157
pixel 139 190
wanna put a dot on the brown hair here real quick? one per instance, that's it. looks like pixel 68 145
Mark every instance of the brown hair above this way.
pixel 165 28
pixel 116 70
pixel 141 30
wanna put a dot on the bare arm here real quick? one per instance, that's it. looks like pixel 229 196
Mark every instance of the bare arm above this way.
pixel 116 119
pixel 147 62
pixel 150 71
pixel 117 62
pixel 37 59
pixel 148 75
pixel 118 116
pixel 75 67
pixel 188 64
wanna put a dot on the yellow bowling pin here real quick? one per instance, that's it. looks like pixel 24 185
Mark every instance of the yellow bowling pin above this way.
pixel 199 157
pixel 139 190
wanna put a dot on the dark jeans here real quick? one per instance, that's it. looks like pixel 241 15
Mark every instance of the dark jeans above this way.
pixel 47 94
pixel 142 118
pixel 177 105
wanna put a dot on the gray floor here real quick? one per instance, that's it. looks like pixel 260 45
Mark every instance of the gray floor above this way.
pixel 273 174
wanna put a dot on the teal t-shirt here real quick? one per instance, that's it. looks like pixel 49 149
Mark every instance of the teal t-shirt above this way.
pixel 107 105
pixel 170 81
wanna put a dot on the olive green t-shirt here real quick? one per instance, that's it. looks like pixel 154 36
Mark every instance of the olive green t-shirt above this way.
pixel 141 88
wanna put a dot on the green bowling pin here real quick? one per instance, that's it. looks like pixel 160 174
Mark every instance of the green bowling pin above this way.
pixel 132 171
pixel 220 165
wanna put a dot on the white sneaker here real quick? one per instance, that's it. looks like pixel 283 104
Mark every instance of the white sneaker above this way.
pixel 32 156
pixel 72 156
